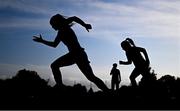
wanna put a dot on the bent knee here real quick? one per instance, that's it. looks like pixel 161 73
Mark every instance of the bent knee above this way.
pixel 54 66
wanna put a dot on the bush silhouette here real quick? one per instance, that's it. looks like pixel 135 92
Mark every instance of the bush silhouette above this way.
pixel 23 88
pixel 29 79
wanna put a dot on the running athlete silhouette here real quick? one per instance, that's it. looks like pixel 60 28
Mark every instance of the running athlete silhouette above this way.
pixel 134 55
pixel 76 54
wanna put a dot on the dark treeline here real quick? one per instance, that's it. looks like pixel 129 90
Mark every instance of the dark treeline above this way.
pixel 27 90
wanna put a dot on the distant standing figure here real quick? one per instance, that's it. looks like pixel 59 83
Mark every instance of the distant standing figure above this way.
pixel 116 77
pixel 134 55
pixel 76 55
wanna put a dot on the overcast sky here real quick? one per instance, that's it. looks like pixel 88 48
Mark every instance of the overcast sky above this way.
pixel 152 24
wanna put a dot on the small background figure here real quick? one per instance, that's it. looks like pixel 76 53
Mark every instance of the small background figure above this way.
pixel 116 77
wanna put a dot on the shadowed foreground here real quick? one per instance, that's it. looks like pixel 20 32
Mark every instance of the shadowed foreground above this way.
pixel 28 91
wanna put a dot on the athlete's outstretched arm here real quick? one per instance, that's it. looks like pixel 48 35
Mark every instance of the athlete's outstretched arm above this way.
pixel 48 43
pixel 79 21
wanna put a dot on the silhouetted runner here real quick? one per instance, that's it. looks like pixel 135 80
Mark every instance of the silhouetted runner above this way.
pixel 116 77
pixel 133 54
pixel 76 54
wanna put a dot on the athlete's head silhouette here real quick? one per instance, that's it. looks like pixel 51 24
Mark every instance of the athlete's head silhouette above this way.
pixel 115 65
pixel 59 21
pixel 125 45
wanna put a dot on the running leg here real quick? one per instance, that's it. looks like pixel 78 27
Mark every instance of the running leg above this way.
pixel 60 62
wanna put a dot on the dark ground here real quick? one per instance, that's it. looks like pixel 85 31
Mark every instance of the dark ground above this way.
pixel 28 91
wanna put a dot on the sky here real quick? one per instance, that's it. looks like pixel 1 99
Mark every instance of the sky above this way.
pixel 152 24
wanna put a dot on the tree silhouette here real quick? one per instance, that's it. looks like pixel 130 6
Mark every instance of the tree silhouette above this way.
pixel 29 79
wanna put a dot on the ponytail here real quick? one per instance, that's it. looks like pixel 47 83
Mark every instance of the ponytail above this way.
pixel 131 42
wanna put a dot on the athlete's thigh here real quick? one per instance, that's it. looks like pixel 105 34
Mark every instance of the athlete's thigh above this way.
pixel 135 73
pixel 64 60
